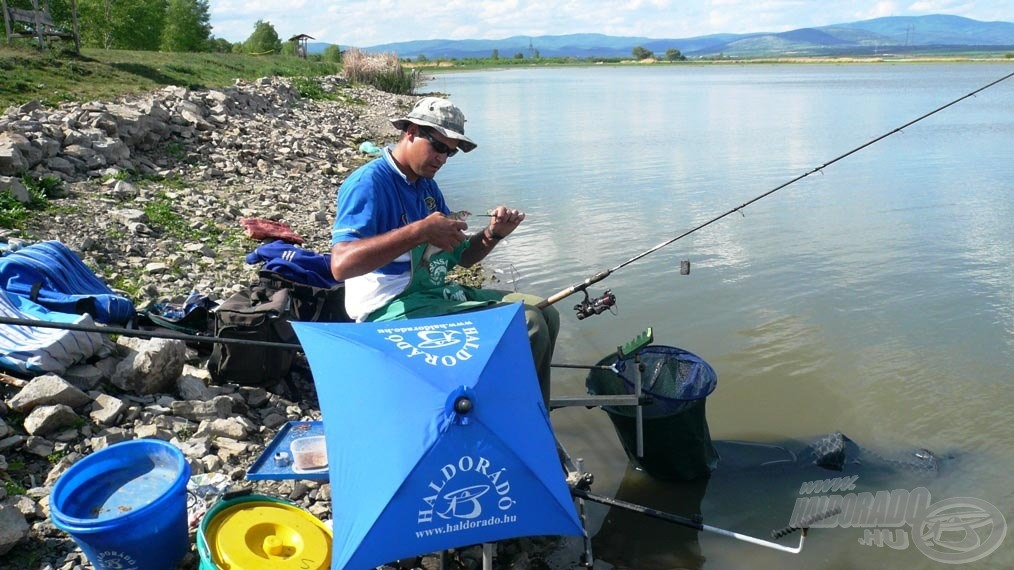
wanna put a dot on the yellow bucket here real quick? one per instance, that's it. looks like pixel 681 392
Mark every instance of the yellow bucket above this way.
pixel 255 532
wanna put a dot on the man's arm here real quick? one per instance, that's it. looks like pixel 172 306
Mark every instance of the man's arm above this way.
pixel 501 223
pixel 354 258
pixel 479 246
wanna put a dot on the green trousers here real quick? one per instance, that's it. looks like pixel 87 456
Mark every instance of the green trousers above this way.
pixel 543 326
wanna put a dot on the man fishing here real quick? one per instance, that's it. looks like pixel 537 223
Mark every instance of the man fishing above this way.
pixel 394 239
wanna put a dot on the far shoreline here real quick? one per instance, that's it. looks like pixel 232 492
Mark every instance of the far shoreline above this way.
pixel 456 66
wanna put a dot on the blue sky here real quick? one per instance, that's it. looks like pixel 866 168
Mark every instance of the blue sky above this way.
pixel 366 23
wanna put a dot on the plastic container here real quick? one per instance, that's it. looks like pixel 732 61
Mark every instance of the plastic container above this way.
pixel 308 453
pixel 126 505
pixel 256 532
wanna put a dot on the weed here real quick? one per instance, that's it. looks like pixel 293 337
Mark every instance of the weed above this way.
pixel 176 150
pixel 14 488
pixel 118 175
pixel 13 212
pixel 309 88
pixel 161 215
pixel 56 456
pixel 129 285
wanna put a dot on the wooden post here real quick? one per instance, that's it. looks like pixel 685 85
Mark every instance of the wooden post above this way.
pixel 77 33
pixel 38 25
pixel 7 20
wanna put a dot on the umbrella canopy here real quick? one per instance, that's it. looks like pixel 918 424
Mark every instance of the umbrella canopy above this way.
pixel 437 436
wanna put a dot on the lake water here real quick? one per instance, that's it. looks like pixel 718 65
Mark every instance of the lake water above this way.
pixel 875 298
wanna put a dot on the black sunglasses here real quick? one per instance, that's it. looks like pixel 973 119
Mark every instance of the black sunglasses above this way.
pixel 438 147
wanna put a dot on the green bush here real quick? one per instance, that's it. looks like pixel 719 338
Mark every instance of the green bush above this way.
pixel 310 88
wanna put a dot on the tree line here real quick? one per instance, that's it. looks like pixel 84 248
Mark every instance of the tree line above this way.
pixel 160 25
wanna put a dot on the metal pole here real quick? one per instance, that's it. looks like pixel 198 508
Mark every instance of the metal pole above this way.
pixel 487 555
pixel 683 521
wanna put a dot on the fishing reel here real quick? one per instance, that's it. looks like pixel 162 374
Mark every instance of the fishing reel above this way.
pixel 589 307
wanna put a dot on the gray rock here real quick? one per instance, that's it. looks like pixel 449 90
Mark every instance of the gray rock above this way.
pixel 46 390
pixel 13 528
pixel 148 431
pixel 109 437
pixel 107 409
pixel 218 407
pixel 151 366
pixel 47 419
pixel 28 507
pixel 233 428
pixel 39 446
pixel 193 388
pixel 12 162
pixel 16 188
pixel 84 376
pixel 12 442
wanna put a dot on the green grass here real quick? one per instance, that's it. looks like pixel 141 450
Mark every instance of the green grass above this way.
pixel 99 74
pixel 162 216
pixel 14 488
pixel 13 213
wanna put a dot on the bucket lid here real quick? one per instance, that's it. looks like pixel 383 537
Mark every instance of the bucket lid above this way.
pixel 261 535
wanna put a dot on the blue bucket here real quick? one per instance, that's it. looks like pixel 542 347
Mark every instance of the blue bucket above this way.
pixel 126 506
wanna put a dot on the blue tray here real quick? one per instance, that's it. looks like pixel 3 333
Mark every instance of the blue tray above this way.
pixel 271 464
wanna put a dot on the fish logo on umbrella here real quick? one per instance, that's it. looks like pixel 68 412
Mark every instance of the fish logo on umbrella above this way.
pixel 445 345
pixel 438 339
pixel 458 501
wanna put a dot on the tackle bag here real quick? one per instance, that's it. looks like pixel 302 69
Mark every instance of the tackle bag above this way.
pixel 309 302
pixel 260 315
pixel 50 274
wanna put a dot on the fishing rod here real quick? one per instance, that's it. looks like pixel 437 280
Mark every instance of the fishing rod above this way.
pixel 589 307
pixel 147 334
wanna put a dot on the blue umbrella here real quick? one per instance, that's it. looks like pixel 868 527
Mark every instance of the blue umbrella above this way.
pixel 437 436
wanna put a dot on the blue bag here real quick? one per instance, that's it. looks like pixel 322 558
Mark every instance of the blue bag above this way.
pixel 50 274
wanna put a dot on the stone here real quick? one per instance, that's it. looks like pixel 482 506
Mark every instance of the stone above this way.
pixel 39 446
pixel 16 188
pixel 46 390
pixel 84 376
pixel 151 366
pixel 47 419
pixel 107 409
pixel 13 528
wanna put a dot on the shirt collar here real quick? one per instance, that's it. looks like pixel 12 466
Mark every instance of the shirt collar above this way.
pixel 389 158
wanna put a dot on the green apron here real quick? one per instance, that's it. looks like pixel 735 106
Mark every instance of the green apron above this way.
pixel 429 294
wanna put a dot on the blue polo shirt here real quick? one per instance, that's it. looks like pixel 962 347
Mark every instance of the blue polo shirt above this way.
pixel 374 200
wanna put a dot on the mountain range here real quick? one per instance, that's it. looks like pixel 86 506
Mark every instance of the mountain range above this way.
pixel 908 35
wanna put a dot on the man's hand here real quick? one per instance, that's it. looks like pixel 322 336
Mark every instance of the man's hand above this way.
pixel 503 221
pixel 441 231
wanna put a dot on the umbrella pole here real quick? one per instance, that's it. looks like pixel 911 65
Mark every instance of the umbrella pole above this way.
pixel 487 555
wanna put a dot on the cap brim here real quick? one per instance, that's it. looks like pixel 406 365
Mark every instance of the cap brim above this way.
pixel 464 143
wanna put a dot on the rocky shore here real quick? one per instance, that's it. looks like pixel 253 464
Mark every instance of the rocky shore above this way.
pixel 153 190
